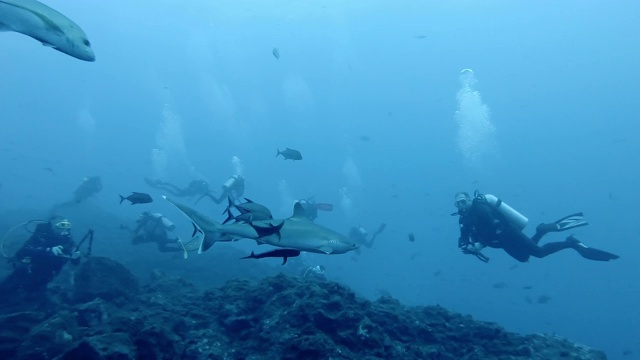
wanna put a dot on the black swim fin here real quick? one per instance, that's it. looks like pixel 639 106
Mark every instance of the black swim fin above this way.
pixel 570 222
pixel 591 253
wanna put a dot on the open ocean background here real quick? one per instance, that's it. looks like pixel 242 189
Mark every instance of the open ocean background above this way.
pixel 371 93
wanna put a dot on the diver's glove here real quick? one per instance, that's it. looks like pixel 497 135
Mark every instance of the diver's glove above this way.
pixel 57 250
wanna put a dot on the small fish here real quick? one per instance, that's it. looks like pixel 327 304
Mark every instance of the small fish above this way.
pixel 276 53
pixel 48 169
pixel 283 253
pixel 543 299
pixel 364 138
pixel 500 285
pixel 46 25
pixel 290 154
pixel 137 198
pixel 527 287
pixel 420 36
pixel 249 211
pixel 412 237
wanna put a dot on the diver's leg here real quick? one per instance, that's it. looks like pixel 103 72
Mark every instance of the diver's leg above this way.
pixel 164 246
pixel 515 243
pixel 550 248
pixel 165 186
pixel 589 252
pixel 566 223
pixel 171 189
pixel 211 196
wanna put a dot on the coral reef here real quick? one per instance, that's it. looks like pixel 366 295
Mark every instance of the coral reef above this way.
pixel 107 315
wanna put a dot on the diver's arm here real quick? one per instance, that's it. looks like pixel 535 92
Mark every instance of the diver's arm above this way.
pixel 465 234
pixel 31 249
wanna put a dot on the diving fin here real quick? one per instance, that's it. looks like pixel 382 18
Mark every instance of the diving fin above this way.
pixel 566 223
pixel 571 221
pixel 191 245
pixel 591 253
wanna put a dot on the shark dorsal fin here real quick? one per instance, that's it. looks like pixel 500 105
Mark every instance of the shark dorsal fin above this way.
pixel 298 211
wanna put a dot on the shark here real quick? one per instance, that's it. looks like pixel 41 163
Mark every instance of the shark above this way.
pixel 295 232
pixel 46 25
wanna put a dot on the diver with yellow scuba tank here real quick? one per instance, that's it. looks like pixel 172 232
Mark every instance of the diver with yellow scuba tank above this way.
pixel 486 221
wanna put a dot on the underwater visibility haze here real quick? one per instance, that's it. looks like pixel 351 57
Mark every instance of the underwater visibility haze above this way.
pixel 374 112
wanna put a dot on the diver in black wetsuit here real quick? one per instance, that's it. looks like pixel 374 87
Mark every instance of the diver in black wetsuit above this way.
pixel 359 235
pixel 38 261
pixel 483 223
pixel 154 228
pixel 196 187
pixel 232 188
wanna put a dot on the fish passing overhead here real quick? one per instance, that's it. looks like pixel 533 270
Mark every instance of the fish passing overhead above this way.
pixel 137 198
pixel 283 253
pixel 51 28
pixel 289 154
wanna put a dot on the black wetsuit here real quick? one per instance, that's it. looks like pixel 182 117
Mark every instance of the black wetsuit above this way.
pixel 196 187
pixel 151 229
pixel 35 265
pixel 234 192
pixel 485 224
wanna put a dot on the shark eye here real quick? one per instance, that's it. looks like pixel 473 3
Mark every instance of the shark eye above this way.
pixel 86 42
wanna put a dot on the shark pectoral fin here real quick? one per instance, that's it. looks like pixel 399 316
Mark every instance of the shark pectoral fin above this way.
pixel 284 260
pixel 207 242
pixel 326 249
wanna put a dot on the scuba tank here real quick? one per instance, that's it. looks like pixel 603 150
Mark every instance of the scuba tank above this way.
pixel 168 224
pixel 514 217
pixel 230 182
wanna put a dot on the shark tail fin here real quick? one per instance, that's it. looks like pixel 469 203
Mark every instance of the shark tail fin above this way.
pixel 252 256
pixel 122 198
pixel 229 216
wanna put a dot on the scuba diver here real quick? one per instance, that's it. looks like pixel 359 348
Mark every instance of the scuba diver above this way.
pixel 311 208
pixel 39 260
pixel 487 221
pixel 315 272
pixel 153 228
pixel 232 188
pixel 360 236
pixel 196 187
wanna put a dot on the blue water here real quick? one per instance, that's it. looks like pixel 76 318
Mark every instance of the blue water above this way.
pixel 551 125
